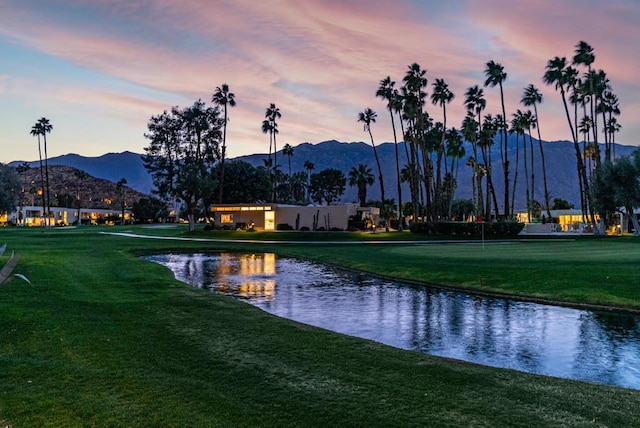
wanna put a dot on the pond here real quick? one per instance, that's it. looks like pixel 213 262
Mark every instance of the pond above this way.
pixel 598 347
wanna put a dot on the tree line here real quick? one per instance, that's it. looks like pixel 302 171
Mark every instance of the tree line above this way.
pixel 433 150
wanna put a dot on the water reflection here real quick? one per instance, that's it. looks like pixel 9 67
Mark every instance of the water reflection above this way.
pixel 564 342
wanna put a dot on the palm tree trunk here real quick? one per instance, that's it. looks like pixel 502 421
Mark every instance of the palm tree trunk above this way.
pixel 46 172
pixel 395 141
pixel 375 153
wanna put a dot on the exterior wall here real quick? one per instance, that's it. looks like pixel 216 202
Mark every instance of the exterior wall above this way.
pixel 327 216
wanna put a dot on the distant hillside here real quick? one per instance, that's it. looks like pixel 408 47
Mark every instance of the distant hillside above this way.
pixel 65 187
pixel 112 167
pixel 559 156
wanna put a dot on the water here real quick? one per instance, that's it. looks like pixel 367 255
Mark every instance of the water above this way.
pixel 592 346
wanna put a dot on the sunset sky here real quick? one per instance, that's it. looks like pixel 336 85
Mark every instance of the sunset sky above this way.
pixel 100 69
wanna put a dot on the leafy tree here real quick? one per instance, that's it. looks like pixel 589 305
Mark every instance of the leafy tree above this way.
pixel 617 185
pixel 361 177
pixel 149 209
pixel 561 204
pixel 181 153
pixel 222 97
pixel 462 209
pixel 245 183
pixel 327 185
pixel 9 188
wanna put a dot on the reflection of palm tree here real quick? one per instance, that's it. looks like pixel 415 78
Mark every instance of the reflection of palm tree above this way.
pixel 222 97
pixel 368 116
pixel 361 177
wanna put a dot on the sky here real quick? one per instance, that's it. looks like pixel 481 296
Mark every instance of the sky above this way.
pixel 99 69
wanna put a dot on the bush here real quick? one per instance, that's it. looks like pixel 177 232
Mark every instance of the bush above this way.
pixel 454 228
pixel 284 226
pixel 305 228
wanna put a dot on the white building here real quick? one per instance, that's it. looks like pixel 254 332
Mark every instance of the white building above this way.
pixel 61 216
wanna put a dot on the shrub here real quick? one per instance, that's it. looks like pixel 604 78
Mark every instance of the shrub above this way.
pixel 284 226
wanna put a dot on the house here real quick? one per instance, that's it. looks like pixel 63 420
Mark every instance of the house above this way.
pixel 293 217
pixel 61 216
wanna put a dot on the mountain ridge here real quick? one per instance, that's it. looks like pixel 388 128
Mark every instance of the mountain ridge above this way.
pixel 559 158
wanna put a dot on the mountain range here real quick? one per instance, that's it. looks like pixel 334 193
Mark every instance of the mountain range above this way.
pixel 559 158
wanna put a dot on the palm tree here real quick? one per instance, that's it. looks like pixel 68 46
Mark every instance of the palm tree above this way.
pixel 531 98
pixel 389 94
pixel 361 177
pixel 222 97
pixel 475 104
pixel 35 131
pixel 287 150
pixel 271 114
pixel 367 117
pixel 495 75
pixel 45 128
pixel 517 127
pixel 442 96
pixel 309 166
pixel 584 56
pixel 559 74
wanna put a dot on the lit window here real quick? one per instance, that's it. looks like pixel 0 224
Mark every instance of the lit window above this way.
pixel 226 218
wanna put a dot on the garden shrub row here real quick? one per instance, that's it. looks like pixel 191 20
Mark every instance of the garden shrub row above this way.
pixel 455 228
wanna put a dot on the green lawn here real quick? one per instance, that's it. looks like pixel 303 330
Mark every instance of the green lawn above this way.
pixel 103 338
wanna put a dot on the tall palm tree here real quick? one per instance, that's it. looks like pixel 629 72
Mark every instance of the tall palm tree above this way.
pixel 517 127
pixel 389 94
pixel 441 96
pixel 367 117
pixel 475 104
pixel 45 128
pixel 584 56
pixel 287 150
pixel 224 98
pixel 361 177
pixel 562 76
pixel 309 166
pixel 272 113
pixel 35 131
pixel 495 76
pixel 531 98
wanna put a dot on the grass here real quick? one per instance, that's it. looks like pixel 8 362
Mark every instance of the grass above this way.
pixel 103 338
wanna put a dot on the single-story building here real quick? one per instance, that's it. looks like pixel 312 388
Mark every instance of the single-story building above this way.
pixel 276 216
pixel 60 216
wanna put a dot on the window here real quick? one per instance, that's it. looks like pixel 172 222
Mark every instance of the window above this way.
pixel 226 218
